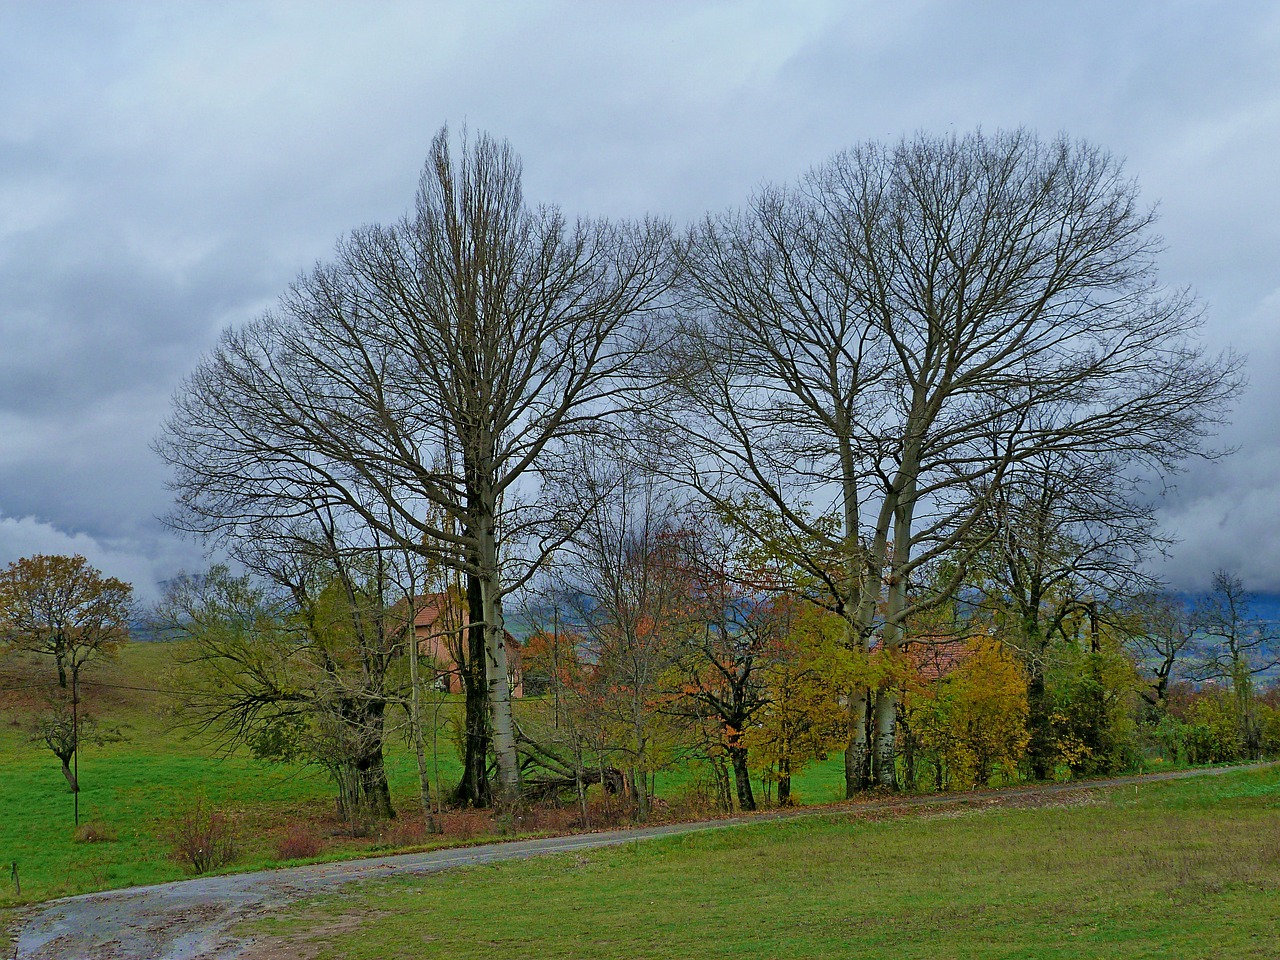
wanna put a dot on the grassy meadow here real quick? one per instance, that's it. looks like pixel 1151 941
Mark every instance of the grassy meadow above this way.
pixel 1186 869
pixel 131 789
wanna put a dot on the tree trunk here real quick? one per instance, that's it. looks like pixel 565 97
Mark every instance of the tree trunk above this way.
pixel 348 781
pixel 419 745
pixel 638 788
pixel 909 743
pixel 858 765
pixel 473 790
pixel 857 755
pixel 886 773
pixel 724 793
pixel 784 783
pixel 893 634
pixel 373 785
pixel 742 778
pixel 1039 723
pixel 496 666
pixel 68 773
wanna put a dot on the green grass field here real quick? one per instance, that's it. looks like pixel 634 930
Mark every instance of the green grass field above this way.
pixel 1185 869
pixel 135 787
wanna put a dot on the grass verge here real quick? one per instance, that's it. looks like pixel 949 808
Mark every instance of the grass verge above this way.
pixel 1178 869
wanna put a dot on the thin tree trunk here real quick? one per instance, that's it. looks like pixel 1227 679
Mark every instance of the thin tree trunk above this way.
pixel 742 778
pixel 419 744
pixel 784 783
pixel 639 788
pixel 908 755
pixel 67 772
pixel 578 778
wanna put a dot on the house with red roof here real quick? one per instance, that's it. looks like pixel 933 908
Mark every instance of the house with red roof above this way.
pixel 440 624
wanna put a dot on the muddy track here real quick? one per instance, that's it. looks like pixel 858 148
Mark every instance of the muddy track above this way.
pixel 194 919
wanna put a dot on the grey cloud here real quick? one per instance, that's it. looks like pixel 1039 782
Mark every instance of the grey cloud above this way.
pixel 167 169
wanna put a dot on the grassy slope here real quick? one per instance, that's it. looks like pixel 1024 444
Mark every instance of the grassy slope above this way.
pixel 1184 869
pixel 135 786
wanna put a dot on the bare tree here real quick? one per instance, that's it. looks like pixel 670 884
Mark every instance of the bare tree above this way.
pixel 903 327
pixel 627 591
pixel 1239 648
pixel 736 630
pixel 431 371
pixel 1163 636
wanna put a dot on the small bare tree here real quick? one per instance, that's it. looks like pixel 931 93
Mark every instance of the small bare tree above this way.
pixel 1239 648
pixel 1163 636
pixel 64 728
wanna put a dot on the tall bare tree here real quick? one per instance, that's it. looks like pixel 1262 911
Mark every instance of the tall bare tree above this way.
pixel 1239 648
pixel 423 382
pixel 902 327
pixel 624 581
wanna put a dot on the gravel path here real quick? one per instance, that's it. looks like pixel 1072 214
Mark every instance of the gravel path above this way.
pixel 193 919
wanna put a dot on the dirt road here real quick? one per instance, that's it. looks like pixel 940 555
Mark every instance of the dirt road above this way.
pixel 193 919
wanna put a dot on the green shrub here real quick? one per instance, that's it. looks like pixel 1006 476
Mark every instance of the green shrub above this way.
pixel 1212 732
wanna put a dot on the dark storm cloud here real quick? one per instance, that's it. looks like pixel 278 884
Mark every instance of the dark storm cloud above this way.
pixel 167 169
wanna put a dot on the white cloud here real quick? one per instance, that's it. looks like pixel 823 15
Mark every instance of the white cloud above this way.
pixel 27 536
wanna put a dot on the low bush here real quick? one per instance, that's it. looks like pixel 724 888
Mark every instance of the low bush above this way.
pixel 403 832
pixel 468 823
pixel 202 838
pixel 300 841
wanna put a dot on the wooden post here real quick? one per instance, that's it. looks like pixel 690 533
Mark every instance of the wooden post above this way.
pixel 75 739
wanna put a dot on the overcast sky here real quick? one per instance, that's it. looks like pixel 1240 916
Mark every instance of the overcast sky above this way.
pixel 167 168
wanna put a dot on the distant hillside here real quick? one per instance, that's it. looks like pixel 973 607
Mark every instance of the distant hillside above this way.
pixel 1262 606
pixel 1265 606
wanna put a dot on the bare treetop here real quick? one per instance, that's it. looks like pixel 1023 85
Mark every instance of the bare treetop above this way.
pixel 865 350
pixel 424 380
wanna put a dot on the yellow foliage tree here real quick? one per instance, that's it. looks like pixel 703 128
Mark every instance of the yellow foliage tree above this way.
pixel 803 718
pixel 975 723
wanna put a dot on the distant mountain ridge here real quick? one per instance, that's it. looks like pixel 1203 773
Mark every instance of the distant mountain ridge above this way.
pixel 1262 606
